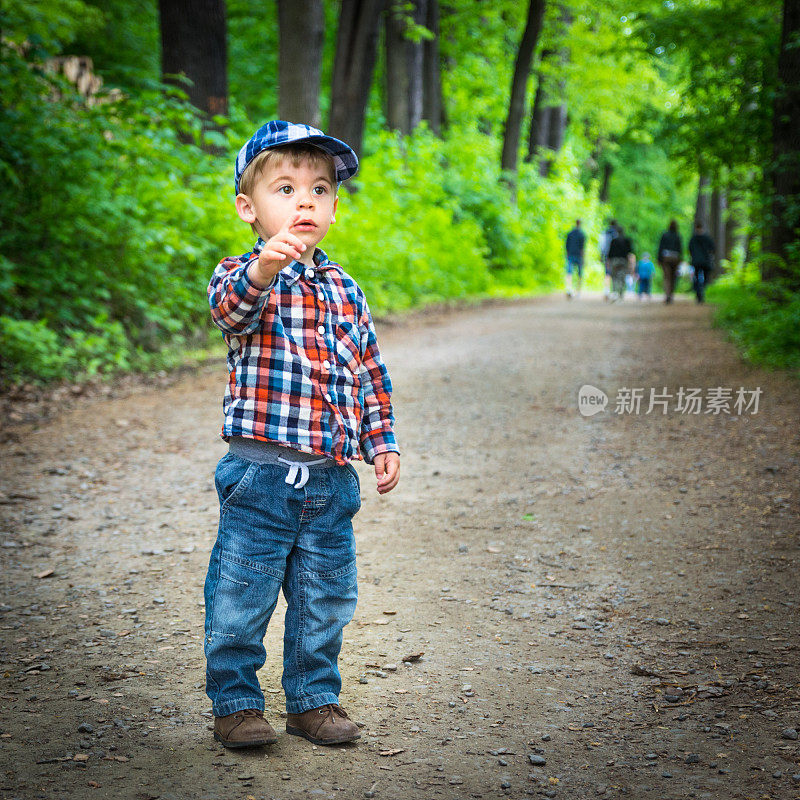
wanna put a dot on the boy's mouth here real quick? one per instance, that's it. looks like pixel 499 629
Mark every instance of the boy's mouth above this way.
pixel 304 225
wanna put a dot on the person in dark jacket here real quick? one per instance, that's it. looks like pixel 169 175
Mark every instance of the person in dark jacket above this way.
pixel 619 252
pixel 576 240
pixel 605 242
pixel 701 254
pixel 670 253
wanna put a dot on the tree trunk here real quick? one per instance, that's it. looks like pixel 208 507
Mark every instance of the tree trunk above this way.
pixel 719 203
pixel 432 72
pixel 193 42
pixel 354 64
pixel 701 207
pixel 397 78
pixel 522 68
pixel 783 239
pixel 301 25
pixel 608 170
pixel 404 67
pixel 539 130
pixel 416 68
pixel 730 231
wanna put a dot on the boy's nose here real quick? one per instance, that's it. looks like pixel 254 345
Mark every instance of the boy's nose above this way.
pixel 305 201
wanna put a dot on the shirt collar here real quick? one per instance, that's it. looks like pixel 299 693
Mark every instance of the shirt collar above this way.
pixel 292 272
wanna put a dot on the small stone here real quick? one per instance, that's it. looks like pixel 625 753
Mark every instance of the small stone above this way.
pixel 505 785
pixel 390 667
pixel 692 758
pixel 796 777
pixel 456 780
pixel 666 774
pixel 159 601
pixel 537 761
pixel 462 548
pixel 363 679
pixel 502 762
pixel 651 756
pixel 777 774
pixel 545 737
pixel 85 727
pixel 789 733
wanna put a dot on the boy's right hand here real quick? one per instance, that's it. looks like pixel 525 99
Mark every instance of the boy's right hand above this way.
pixel 278 251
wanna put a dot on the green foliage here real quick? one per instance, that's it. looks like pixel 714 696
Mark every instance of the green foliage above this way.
pixel 762 319
pixel 647 191
pixel 432 221
pixel 725 54
pixel 109 218
pixel 112 217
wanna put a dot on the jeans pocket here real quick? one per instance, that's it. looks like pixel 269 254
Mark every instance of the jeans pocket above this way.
pixel 352 470
pixel 232 477
pixel 354 483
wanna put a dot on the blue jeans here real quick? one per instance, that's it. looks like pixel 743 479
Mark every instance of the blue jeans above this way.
pixel 272 536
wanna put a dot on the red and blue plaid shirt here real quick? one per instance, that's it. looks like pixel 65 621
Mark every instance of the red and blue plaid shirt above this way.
pixel 305 369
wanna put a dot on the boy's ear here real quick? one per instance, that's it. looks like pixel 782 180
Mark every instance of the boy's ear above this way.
pixel 244 208
pixel 335 206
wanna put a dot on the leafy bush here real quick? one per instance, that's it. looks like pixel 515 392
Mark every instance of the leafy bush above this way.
pixel 762 319
pixel 113 216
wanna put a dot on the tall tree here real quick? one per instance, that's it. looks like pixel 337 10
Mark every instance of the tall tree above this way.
pixel 353 67
pixel 539 133
pixel 405 59
pixel 301 24
pixel 522 68
pixel 783 240
pixel 193 42
pixel 432 104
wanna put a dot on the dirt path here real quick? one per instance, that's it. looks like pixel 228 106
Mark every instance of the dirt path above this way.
pixel 615 595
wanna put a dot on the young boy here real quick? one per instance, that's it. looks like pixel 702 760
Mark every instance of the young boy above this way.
pixel 307 394
pixel 645 269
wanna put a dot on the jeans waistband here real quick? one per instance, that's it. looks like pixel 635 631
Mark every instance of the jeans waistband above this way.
pixel 271 453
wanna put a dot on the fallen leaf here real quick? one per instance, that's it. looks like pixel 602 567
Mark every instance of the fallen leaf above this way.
pixel 392 752
pixel 414 656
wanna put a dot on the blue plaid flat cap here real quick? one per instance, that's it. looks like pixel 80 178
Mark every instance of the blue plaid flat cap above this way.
pixel 278 132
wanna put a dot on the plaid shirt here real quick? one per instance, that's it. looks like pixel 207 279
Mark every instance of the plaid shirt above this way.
pixel 305 370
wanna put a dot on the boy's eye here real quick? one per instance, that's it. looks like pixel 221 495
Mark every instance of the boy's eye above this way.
pixel 285 189
pixel 320 190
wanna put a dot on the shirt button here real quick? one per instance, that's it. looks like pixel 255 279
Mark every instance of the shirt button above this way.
pixel 310 273
pixel 321 330
pixel 328 397
pixel 326 364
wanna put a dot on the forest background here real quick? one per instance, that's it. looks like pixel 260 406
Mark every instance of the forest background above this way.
pixel 484 127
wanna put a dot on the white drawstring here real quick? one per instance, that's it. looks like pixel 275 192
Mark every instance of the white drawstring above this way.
pixel 301 467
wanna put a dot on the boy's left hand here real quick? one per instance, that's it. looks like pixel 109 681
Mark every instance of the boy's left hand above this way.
pixel 387 470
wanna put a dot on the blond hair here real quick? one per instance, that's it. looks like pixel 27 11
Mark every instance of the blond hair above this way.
pixel 298 153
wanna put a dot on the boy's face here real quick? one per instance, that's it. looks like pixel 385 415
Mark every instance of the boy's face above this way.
pixel 282 192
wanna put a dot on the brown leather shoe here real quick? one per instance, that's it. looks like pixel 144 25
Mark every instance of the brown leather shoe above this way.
pixel 244 729
pixel 325 725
